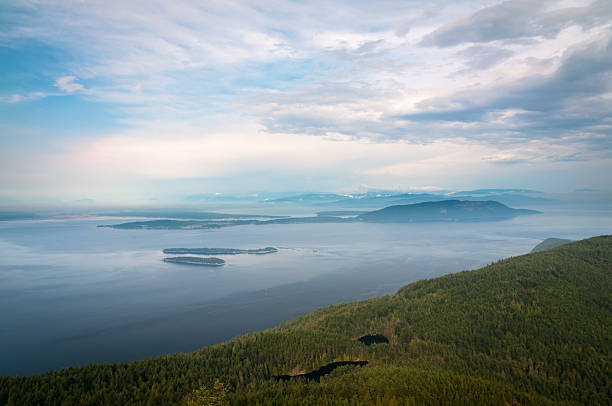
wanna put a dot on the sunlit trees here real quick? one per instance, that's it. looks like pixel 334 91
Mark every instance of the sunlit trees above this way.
pixel 204 396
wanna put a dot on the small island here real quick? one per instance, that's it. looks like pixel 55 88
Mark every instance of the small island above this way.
pixel 178 224
pixel 220 251
pixel 211 261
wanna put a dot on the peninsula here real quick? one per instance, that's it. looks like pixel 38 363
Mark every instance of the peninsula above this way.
pixel 178 224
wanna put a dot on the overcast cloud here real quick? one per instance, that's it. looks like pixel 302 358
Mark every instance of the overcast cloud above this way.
pixel 389 94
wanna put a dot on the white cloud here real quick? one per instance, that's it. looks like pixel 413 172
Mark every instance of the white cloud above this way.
pixel 68 84
pixel 250 85
pixel 20 98
pixel 257 160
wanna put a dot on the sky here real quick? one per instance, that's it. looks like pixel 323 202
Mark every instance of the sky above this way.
pixel 136 100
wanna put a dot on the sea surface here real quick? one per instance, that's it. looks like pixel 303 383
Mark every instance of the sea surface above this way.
pixel 72 293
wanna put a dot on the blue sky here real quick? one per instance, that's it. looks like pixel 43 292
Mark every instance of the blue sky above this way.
pixel 124 101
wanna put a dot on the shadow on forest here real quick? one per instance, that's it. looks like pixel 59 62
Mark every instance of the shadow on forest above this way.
pixel 324 370
pixel 370 339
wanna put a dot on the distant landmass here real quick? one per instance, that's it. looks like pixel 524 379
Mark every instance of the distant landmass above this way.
pixel 303 220
pixel 550 243
pixel 208 261
pixel 380 199
pixel 337 213
pixel 445 210
pixel 310 198
pixel 182 214
pixel 178 224
pixel 366 200
pixel 486 192
pixel 18 215
pixel 219 251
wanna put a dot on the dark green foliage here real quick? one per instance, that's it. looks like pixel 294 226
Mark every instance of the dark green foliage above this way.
pixel 534 329
pixel 318 373
pixel 370 339
pixel 388 385
pixel 204 396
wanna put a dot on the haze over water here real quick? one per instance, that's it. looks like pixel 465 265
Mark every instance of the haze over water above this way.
pixel 72 293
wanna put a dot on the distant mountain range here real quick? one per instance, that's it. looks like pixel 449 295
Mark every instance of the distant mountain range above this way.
pixel 383 199
pixel 327 204
pixel 378 198
pixel 486 192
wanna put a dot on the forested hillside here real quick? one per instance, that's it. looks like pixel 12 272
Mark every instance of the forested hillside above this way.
pixel 534 329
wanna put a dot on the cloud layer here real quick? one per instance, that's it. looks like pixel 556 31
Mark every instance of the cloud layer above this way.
pixel 511 86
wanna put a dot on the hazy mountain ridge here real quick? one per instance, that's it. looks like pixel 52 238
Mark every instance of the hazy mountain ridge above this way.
pixel 387 198
pixel 446 210
pixel 204 206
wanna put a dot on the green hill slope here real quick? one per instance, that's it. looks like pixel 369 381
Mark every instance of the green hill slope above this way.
pixel 534 329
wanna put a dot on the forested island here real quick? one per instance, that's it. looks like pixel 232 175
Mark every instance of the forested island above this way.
pixel 550 243
pixel 438 211
pixel 183 214
pixel 207 261
pixel 220 251
pixel 532 329
pixel 338 213
pixel 177 224
pixel 446 211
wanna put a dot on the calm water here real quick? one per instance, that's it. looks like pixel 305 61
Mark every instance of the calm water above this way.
pixel 71 293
